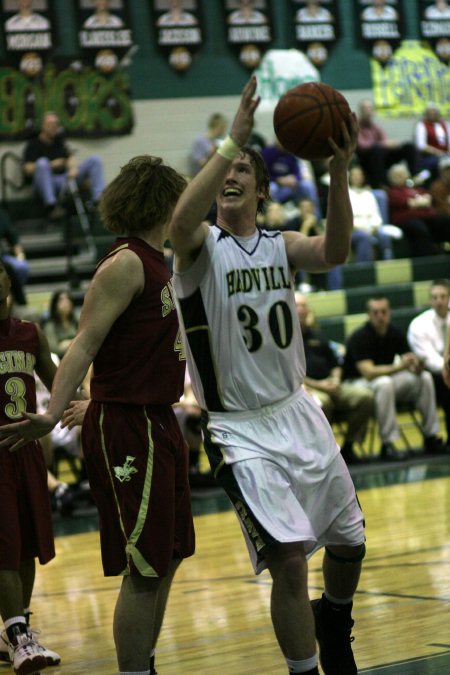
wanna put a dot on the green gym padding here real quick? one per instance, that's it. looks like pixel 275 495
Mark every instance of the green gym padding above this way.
pixel 358 274
pixel 435 267
pixel 421 293
pixel 330 303
pixel 393 271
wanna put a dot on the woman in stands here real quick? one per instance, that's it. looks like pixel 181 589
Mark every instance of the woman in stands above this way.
pixel 411 209
pixel 368 227
pixel 62 324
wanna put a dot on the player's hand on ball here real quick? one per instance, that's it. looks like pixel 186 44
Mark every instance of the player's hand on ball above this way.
pixel 243 121
pixel 343 153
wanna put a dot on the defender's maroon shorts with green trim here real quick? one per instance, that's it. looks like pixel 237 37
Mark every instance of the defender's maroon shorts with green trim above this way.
pixel 137 462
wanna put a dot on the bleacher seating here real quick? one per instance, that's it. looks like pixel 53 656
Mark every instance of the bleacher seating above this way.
pixel 60 253
pixel 404 282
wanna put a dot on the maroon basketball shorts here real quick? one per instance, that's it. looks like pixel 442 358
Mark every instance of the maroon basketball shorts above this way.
pixel 137 463
pixel 25 515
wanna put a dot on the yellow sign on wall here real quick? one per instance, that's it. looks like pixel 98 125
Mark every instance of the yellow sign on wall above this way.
pixel 412 78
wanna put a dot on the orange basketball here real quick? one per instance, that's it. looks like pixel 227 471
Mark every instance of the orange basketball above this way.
pixel 306 116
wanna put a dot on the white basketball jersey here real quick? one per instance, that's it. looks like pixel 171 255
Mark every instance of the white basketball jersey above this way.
pixel 242 335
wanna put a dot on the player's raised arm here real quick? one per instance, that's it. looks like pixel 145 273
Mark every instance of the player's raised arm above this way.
pixel 315 254
pixel 186 231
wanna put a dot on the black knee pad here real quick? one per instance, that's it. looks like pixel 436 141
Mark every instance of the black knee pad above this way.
pixel 347 561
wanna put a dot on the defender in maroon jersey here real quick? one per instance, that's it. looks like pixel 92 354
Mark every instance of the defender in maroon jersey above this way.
pixel 25 516
pixel 135 454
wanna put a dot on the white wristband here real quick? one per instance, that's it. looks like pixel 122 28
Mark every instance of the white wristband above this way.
pixel 228 148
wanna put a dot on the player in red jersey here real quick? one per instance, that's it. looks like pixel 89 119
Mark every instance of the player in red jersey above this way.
pixel 25 516
pixel 136 457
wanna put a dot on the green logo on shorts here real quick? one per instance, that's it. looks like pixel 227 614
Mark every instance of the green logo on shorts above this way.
pixel 124 472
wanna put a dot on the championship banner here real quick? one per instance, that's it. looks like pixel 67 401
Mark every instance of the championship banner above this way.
pixel 179 30
pixel 316 28
pixel 435 27
pixel 380 27
pixel 413 77
pixel 249 29
pixel 103 33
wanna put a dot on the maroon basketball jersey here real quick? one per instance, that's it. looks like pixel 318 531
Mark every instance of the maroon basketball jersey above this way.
pixel 19 350
pixel 141 360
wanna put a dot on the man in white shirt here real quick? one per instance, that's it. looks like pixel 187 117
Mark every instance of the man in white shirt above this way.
pixel 440 10
pixel 102 17
pixel 427 335
pixel 379 12
pixel 26 19
pixel 247 15
pixel 313 13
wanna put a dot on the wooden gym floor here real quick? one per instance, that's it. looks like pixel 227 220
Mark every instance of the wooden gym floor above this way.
pixel 218 621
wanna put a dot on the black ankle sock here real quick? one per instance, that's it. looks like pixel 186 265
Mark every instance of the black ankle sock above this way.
pixel 15 630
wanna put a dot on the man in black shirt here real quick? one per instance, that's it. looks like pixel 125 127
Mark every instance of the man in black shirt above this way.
pixel 378 356
pixel 339 400
pixel 48 162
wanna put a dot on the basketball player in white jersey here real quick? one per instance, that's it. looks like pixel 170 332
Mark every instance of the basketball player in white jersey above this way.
pixel 268 442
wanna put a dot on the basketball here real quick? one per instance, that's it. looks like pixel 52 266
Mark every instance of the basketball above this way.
pixel 306 116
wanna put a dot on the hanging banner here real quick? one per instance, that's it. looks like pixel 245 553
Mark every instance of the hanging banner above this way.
pixel 280 70
pixel 104 36
pixel 27 34
pixel 413 77
pixel 249 29
pixel 435 27
pixel 316 28
pixel 380 27
pixel 179 31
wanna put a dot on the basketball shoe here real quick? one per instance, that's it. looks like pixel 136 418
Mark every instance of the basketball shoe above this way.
pixel 51 657
pixel 26 656
pixel 333 632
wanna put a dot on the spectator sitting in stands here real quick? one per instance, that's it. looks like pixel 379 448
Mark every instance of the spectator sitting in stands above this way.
pixel 375 151
pixel 412 211
pixel 341 400
pixel 368 227
pixel 378 356
pixel 62 324
pixel 427 336
pixel 205 144
pixel 286 180
pixel 432 139
pixel 440 188
pixel 14 258
pixel 49 163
